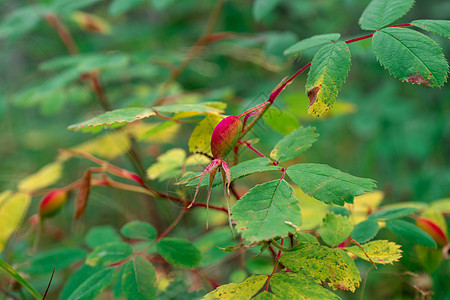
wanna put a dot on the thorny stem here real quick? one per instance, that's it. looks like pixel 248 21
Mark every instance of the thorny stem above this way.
pixel 277 261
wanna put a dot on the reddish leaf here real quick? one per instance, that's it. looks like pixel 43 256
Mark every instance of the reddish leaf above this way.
pixel 83 195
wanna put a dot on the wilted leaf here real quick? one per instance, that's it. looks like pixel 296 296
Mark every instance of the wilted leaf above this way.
pixel 380 13
pixel 328 184
pixel 380 252
pixel 324 264
pixel 268 210
pixel 168 165
pixel 294 144
pixel 335 229
pixel 440 27
pixel 13 207
pixel 329 69
pixel 314 41
pixel 179 252
pixel 418 59
pixel 45 177
pixel 138 279
pixel 83 195
pixel 243 290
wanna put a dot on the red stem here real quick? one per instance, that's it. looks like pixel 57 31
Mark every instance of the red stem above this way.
pixel 277 261
pixel 249 146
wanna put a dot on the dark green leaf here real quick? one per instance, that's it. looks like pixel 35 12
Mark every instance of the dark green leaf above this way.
pixel 76 279
pixel 261 8
pixel 297 286
pixel 393 213
pixel 210 243
pixel 335 229
pixel 329 69
pixel 365 231
pixel 101 235
pixel 179 252
pixel 121 6
pixel 338 210
pixel 294 144
pixel 13 273
pixel 59 258
pixel 411 233
pixel 410 56
pixel 440 27
pixel 380 13
pixel 93 285
pixel 328 184
pixel 268 210
pixel 107 254
pixel 138 279
pixel 314 41
pixel 139 230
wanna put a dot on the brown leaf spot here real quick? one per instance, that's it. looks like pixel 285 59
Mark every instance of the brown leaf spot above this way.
pixel 418 79
pixel 312 95
pixel 83 195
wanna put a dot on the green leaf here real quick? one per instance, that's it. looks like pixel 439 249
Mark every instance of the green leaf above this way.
pixel 138 279
pixel 20 21
pixel 429 257
pixel 393 213
pixel 13 273
pixel 200 139
pixel 339 210
pixel 68 6
pixel 440 27
pixel 107 254
pixel 328 184
pixel 261 8
pixel 243 290
pixel 87 62
pixel 365 231
pixel 256 165
pixel 168 165
pixel 323 264
pixel 265 295
pixel 297 286
pixel 314 41
pixel 121 6
pixel 93 285
pixel 281 121
pixel 160 4
pixel 139 230
pixel 268 210
pixel 76 279
pixel 100 235
pixel 210 243
pixel 329 69
pixel 380 251
pixel 13 207
pixel 179 252
pixel 59 258
pixel 335 229
pixel 294 144
pixel 411 233
pixel 380 13
pixel 410 56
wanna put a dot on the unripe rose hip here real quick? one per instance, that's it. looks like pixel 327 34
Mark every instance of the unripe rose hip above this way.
pixel 52 203
pixel 225 136
pixel 434 230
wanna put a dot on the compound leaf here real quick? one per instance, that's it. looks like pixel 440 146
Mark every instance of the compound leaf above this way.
pixel 328 184
pixel 323 264
pixel 440 27
pixel 411 233
pixel 138 279
pixel 297 286
pixel 243 290
pixel 410 56
pixel 267 211
pixel 179 252
pixel 294 144
pixel 329 69
pixel 381 252
pixel 335 229
pixel 380 13
pixel 314 41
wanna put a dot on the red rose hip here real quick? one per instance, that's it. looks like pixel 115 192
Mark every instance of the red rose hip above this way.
pixel 225 136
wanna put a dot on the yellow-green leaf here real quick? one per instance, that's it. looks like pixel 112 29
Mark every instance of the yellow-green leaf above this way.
pixel 12 209
pixel 380 251
pixel 335 229
pixel 200 140
pixel 237 291
pixel 45 177
pixel 168 165
pixel 108 146
pixel 297 286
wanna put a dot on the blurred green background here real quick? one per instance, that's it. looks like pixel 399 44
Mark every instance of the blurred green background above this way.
pixel 381 128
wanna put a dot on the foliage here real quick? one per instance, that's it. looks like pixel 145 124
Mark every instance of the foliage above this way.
pixel 148 114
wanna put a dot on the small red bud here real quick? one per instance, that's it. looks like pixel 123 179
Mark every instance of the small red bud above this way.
pixel 225 136
pixel 52 203
pixel 433 230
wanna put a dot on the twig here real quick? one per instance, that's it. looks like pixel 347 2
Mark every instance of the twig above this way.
pixel 364 251
pixel 277 261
